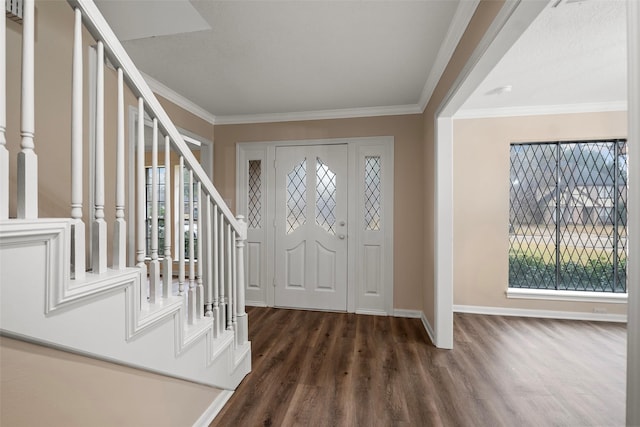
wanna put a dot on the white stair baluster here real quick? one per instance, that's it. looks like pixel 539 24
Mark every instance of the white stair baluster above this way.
pixel 192 310
pixel 141 233
pixel 209 259
pixel 99 226
pixel 216 271
pixel 180 229
pixel 78 261
pixel 120 225
pixel 154 264
pixel 167 262
pixel 242 331
pixel 4 153
pixel 229 270
pixel 234 276
pixel 221 267
pixel 199 286
pixel 27 160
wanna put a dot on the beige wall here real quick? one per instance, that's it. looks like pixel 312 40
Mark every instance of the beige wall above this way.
pixel 481 200
pixel 414 143
pixel 186 120
pixel 53 41
pixel 480 22
pixel 408 188
pixel 53 47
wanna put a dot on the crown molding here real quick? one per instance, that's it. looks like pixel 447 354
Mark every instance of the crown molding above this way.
pixel 182 102
pixel 347 113
pixel 541 110
pixel 461 18
pixel 459 23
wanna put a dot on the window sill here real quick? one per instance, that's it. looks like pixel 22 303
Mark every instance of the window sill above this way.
pixel 579 296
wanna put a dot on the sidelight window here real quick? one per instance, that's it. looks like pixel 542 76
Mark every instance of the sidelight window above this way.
pixel 254 206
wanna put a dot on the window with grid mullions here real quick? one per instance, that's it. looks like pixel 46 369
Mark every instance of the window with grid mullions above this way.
pixel 568 216
pixel 161 207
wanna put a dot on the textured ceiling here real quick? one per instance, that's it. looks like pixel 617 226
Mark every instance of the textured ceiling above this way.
pixel 572 55
pixel 268 57
pixel 235 58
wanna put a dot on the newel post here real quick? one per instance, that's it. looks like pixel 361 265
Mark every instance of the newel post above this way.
pixel 242 334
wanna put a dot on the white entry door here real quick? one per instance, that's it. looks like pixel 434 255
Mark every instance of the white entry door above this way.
pixel 311 227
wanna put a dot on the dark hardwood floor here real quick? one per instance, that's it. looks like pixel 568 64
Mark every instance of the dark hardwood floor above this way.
pixel 334 369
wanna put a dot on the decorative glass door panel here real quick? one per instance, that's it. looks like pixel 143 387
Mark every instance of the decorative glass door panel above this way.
pixel 311 227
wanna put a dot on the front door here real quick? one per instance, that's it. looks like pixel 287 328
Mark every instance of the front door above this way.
pixel 311 227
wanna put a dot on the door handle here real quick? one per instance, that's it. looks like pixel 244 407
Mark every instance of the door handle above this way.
pixel 341 236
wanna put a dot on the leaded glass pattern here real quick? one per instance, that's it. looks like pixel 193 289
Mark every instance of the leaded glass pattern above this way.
pixel 568 216
pixel 255 194
pixel 325 197
pixel 296 196
pixel 372 193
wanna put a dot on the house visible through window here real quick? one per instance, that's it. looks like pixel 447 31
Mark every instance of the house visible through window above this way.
pixel 568 216
pixel 162 207
pixel 185 207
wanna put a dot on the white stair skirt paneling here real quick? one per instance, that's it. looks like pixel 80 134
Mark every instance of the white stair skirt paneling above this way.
pixel 104 318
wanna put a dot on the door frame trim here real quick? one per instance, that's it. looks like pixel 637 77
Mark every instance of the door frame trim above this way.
pixel 354 145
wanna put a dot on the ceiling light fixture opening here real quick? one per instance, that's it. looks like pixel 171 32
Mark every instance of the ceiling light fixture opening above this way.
pixel 500 90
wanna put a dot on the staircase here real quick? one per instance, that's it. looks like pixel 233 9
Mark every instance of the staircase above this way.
pixel 68 282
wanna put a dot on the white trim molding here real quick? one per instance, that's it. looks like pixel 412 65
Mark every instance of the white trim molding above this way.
pixel 53 235
pixel 428 328
pixel 347 113
pixel 255 304
pixel 541 110
pixel 511 21
pixel 417 314
pixel 214 409
pixel 633 242
pixel 543 314
pixel 179 100
pixel 366 312
pixel 578 296
pixel 411 314
pixel 458 26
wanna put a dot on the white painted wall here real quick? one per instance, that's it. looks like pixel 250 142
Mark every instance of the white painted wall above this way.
pixel 633 264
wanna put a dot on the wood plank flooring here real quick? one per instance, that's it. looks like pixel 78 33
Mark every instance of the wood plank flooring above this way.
pixel 338 369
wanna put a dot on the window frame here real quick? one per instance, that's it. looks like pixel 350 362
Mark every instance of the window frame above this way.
pixel 562 294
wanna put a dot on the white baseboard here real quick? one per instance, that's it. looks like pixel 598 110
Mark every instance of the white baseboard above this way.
pixel 547 314
pixel 428 328
pixel 413 314
pixel 255 304
pixel 417 314
pixel 214 409
pixel 372 312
